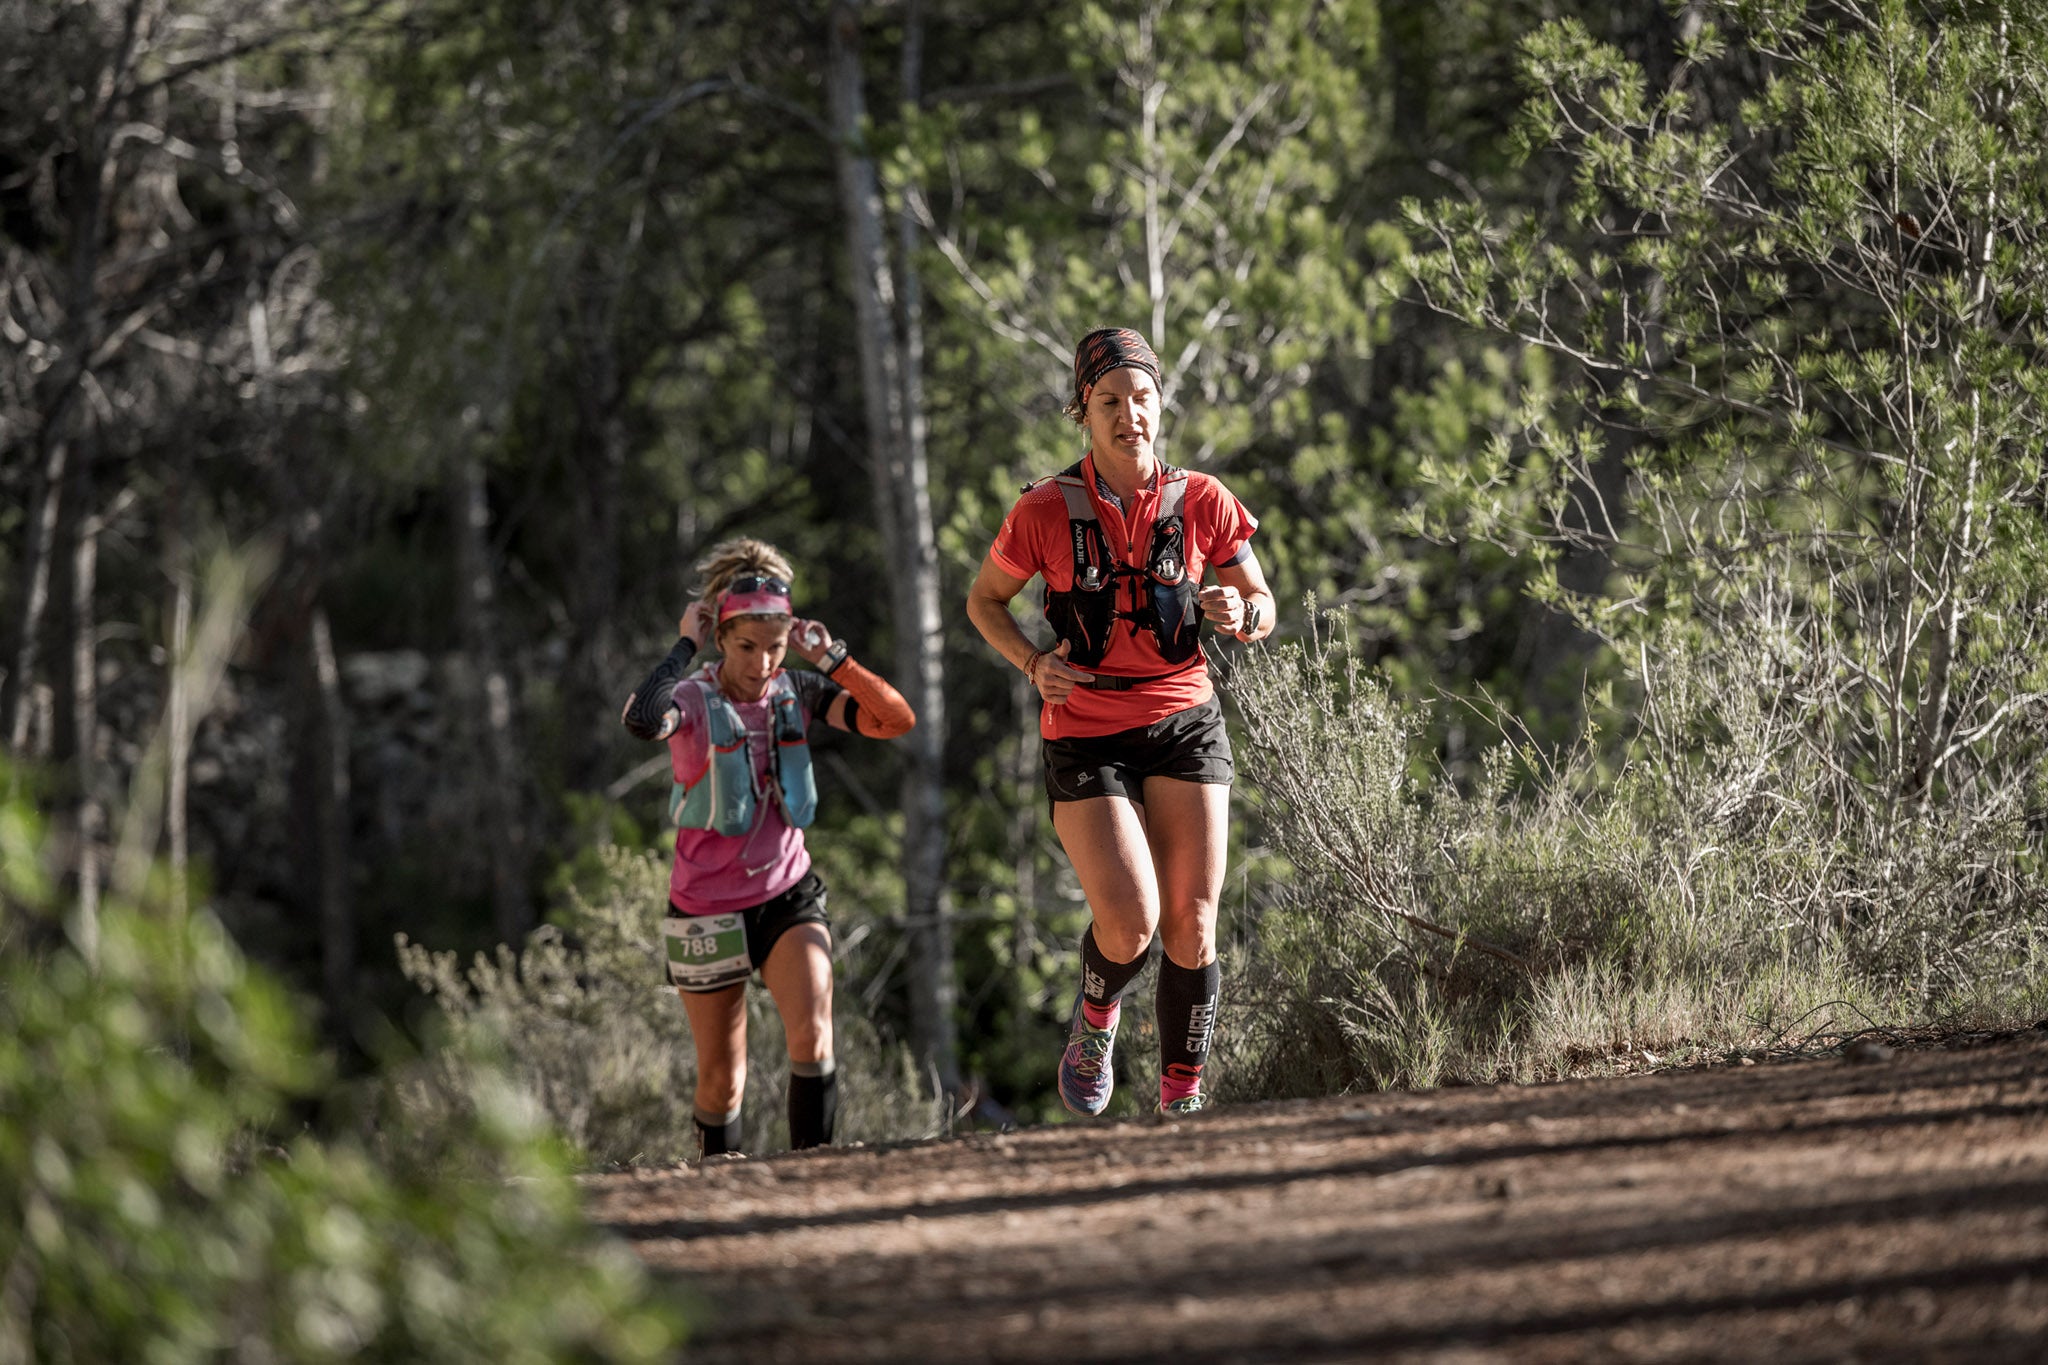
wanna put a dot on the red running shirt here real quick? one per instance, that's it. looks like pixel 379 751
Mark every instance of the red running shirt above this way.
pixel 1035 541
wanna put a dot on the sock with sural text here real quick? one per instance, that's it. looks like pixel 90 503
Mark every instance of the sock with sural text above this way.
pixel 1187 1022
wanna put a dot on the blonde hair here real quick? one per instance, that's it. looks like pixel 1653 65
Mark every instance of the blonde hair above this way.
pixel 727 560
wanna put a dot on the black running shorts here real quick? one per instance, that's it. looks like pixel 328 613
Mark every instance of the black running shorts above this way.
pixel 767 922
pixel 1190 746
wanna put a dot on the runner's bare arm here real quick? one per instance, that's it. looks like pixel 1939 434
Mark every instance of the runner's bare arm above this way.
pixel 1239 601
pixel 988 606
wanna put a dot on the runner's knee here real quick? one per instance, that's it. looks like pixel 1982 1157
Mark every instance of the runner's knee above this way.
pixel 1189 938
pixel 719 1086
pixel 810 1034
pixel 1122 942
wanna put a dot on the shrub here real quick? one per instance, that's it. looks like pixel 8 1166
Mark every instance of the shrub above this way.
pixel 156 1206
pixel 1710 893
pixel 1794 456
pixel 583 1021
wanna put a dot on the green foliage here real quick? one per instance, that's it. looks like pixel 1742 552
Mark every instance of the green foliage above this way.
pixel 1195 192
pixel 1810 279
pixel 157 1205
pixel 583 1020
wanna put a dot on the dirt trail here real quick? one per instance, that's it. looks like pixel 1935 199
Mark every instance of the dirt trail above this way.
pixel 1821 1210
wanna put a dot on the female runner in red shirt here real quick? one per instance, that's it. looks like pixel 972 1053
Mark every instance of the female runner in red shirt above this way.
pixel 1137 763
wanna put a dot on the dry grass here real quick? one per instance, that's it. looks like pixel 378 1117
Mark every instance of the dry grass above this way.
pixel 1702 894
pixel 581 1019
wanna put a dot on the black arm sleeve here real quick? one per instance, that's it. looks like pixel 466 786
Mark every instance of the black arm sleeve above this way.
pixel 647 713
pixel 816 692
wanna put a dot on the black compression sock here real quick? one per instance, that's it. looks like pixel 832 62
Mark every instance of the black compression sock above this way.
pixel 1187 1018
pixel 718 1134
pixel 1102 981
pixel 813 1102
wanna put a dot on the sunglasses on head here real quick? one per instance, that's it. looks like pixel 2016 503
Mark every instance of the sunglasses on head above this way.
pixel 757 582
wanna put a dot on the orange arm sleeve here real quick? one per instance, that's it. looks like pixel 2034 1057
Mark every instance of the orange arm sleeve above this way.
pixel 883 712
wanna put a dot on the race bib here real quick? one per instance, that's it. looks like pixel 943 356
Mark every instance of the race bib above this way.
pixel 706 952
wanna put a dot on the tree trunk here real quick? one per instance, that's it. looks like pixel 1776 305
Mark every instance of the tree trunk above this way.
pixel 594 592
pixel 80 329
pixel 77 729
pixel 23 646
pixel 500 803
pixel 178 699
pixel 321 791
pixel 889 344
pixel 1027 779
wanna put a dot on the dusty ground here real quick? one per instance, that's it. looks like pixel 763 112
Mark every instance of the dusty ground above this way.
pixel 1819 1210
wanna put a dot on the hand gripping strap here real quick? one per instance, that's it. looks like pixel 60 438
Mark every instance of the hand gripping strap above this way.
pixel 883 712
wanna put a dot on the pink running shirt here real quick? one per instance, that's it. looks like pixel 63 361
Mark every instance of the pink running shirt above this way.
pixel 714 872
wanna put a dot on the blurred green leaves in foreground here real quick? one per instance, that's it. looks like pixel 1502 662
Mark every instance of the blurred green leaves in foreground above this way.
pixel 161 1199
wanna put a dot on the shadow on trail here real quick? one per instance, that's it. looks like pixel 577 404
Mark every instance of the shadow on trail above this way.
pixel 1360 1260
pixel 1035 1153
pixel 1298 1346
pixel 1373 1167
pixel 1736 1089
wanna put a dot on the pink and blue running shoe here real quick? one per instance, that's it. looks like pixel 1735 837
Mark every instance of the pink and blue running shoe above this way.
pixel 1085 1080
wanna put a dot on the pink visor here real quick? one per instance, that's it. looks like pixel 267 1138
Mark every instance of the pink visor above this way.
pixel 759 602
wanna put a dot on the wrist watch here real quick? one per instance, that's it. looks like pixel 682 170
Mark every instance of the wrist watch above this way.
pixel 1251 620
pixel 835 655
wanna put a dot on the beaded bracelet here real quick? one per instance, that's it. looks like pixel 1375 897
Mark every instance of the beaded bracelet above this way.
pixel 1031 666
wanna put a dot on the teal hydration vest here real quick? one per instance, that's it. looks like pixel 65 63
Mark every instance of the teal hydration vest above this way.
pixel 726 796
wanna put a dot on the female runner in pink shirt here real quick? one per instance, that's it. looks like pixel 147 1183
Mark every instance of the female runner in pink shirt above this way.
pixel 742 897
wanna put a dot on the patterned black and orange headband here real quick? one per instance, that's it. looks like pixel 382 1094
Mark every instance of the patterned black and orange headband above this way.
pixel 1110 348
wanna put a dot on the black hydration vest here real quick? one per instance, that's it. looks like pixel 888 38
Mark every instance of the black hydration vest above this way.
pixel 1167 601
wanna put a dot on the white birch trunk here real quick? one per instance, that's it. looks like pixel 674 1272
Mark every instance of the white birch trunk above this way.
pixel 890 341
